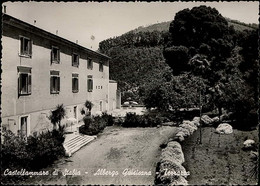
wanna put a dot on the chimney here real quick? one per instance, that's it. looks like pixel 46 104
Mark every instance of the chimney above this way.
pixel 4 9
pixel 56 32
pixel 77 41
pixel 34 23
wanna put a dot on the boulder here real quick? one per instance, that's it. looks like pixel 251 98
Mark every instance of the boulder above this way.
pixel 185 131
pixel 189 127
pixel 206 120
pixel 249 143
pixel 215 119
pixel 180 135
pixel 224 128
pixel 170 123
pixel 196 121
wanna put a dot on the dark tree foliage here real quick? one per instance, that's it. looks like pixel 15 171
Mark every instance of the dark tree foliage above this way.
pixel 134 55
pixel 198 25
pixel 180 56
pixel 202 43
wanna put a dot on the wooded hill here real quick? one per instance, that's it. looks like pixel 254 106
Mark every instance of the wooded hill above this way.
pixel 137 56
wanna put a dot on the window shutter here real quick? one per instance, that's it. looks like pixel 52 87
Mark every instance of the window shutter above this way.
pixel 51 84
pixel 19 84
pixel 30 47
pixel 29 83
pixel 58 79
pixel 52 57
pixel 58 55
pixel 77 84
pixel 21 45
pixel 72 85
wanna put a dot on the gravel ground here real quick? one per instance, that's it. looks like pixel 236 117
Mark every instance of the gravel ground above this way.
pixel 219 159
pixel 116 149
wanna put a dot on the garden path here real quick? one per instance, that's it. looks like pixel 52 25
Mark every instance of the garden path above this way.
pixel 116 149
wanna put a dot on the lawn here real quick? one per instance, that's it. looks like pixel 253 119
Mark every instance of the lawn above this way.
pixel 219 159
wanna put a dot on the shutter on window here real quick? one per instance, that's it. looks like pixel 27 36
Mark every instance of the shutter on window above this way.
pixel 19 84
pixel 72 85
pixel 51 84
pixel 30 47
pixel 29 83
pixel 52 57
pixel 77 84
pixel 58 55
pixel 91 85
pixel 21 45
pixel 58 79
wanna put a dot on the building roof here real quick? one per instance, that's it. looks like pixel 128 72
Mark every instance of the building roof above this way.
pixel 7 19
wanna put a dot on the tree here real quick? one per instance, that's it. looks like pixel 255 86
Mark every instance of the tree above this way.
pixel 57 115
pixel 89 105
pixel 200 31
pixel 177 58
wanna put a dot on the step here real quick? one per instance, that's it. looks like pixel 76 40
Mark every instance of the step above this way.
pixel 77 142
pixel 71 145
pixel 76 139
pixel 75 148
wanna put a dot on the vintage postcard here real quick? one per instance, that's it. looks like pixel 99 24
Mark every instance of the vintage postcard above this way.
pixel 130 93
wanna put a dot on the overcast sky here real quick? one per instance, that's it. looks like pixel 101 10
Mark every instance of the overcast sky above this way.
pixel 79 21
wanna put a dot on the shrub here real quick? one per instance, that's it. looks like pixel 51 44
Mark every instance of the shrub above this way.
pixel 108 119
pixel 134 120
pixel 94 125
pixel 37 152
pixel 87 121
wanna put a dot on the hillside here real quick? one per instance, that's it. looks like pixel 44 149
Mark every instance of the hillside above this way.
pixel 137 55
pixel 164 26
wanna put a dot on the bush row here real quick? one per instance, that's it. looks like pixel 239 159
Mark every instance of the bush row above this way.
pixel 96 124
pixel 33 153
pixel 147 120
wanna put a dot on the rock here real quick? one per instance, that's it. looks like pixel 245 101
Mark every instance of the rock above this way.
pixel 189 127
pixel 180 181
pixel 249 143
pixel 196 121
pixel 170 123
pixel 170 169
pixel 224 128
pixel 254 155
pixel 174 155
pixel 185 131
pixel 215 119
pixel 180 135
pixel 206 120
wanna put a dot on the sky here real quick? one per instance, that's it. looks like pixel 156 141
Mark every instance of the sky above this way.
pixel 82 20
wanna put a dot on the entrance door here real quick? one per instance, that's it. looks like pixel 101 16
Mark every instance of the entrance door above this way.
pixel 75 112
pixel 100 106
pixel 24 125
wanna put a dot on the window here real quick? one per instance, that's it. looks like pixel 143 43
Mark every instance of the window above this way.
pixel 75 60
pixel 90 64
pixel 25 46
pixel 75 83
pixel 55 82
pixel 55 55
pixel 90 84
pixel 24 81
pixel 100 67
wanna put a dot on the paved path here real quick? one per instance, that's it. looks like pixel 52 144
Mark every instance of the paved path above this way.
pixel 116 149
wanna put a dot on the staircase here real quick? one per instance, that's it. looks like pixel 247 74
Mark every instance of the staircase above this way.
pixel 73 142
